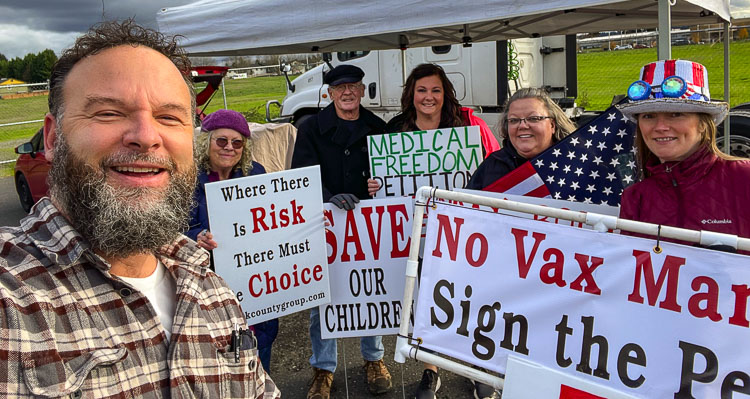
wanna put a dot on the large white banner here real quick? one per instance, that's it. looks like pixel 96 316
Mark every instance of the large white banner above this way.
pixel 601 307
pixel 367 252
pixel 271 251
pixel 442 158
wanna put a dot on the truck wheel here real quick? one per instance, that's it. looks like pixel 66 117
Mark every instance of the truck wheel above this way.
pixel 299 121
pixel 739 138
pixel 24 193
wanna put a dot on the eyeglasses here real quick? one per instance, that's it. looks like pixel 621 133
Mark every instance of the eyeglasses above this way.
pixel 673 86
pixel 346 86
pixel 223 141
pixel 531 120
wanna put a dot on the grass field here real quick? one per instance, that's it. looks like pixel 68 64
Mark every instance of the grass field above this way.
pixel 601 75
pixel 249 96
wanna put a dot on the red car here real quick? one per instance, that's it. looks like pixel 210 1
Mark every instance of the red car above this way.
pixel 31 166
pixel 31 171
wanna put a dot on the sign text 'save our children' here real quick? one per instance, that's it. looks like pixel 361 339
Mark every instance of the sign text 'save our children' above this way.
pixel 271 251
pixel 367 251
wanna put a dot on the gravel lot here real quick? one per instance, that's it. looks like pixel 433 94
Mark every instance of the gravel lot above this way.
pixel 291 370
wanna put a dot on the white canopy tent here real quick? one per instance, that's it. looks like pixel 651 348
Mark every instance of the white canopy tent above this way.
pixel 262 27
pixel 247 27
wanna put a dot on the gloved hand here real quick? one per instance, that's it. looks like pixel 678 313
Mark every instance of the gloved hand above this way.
pixel 345 201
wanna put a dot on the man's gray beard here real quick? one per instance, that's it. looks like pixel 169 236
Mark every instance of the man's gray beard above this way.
pixel 120 221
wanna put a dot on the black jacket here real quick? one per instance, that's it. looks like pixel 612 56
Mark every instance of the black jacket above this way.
pixel 495 166
pixel 342 156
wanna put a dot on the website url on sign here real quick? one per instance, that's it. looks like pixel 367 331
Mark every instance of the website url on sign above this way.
pixel 283 306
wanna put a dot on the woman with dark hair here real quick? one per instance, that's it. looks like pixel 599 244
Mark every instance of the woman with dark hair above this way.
pixel 223 150
pixel 429 102
pixel 687 181
pixel 531 123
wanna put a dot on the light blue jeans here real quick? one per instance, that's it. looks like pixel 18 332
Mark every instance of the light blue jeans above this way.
pixel 324 352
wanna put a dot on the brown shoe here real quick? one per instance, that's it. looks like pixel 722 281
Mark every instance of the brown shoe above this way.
pixel 320 387
pixel 378 377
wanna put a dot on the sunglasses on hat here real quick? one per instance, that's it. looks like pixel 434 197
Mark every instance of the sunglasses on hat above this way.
pixel 673 87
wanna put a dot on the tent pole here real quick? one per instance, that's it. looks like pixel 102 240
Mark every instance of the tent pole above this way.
pixel 403 66
pixel 224 93
pixel 664 49
pixel 727 40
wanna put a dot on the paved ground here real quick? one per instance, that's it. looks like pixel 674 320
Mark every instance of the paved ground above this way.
pixel 291 370
pixel 289 365
pixel 10 208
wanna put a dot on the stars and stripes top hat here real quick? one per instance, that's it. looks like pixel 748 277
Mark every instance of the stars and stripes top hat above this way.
pixel 672 86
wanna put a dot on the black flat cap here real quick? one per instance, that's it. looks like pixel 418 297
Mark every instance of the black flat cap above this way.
pixel 344 74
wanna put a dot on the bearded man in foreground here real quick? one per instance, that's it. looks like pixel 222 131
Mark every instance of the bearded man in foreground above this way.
pixel 100 295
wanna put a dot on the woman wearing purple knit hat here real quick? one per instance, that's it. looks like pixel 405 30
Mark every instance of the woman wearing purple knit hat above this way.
pixel 223 150
pixel 687 181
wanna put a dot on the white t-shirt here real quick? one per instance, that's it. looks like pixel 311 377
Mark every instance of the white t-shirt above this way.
pixel 161 291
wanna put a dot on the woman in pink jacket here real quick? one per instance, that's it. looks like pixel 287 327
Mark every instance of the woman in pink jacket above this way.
pixel 687 181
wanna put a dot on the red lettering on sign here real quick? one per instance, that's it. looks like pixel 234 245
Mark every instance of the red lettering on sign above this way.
pixel 397 230
pixel 670 271
pixel 374 238
pixel 711 299
pixel 444 229
pixel 351 236
pixel 741 292
pixel 583 261
pixel 524 263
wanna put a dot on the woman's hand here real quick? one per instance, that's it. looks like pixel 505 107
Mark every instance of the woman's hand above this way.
pixel 372 187
pixel 206 240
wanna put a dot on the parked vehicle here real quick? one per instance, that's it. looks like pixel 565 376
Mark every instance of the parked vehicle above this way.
pixel 641 45
pixel 681 42
pixel 31 171
pixel 624 47
pixel 481 81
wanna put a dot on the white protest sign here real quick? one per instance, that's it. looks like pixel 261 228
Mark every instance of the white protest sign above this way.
pixel 443 158
pixel 367 252
pixel 271 251
pixel 549 202
pixel 524 379
pixel 601 307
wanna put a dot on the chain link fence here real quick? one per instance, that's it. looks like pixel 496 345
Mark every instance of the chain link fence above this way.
pixel 22 109
pixel 608 63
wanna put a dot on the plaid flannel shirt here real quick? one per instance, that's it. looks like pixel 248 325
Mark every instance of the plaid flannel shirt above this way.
pixel 69 327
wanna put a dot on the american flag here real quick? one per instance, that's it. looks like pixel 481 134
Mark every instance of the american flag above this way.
pixel 592 165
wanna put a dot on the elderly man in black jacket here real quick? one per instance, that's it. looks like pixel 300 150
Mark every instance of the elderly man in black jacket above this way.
pixel 336 139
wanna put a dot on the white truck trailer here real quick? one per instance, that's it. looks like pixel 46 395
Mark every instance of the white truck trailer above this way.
pixel 483 74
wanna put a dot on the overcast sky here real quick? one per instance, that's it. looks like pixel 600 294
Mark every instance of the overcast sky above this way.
pixel 30 26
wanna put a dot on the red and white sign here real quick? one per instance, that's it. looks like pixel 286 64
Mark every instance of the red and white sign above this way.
pixel 271 251
pixel 601 307
pixel 367 251
pixel 524 380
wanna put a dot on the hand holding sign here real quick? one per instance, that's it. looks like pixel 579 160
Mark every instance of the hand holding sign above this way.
pixel 272 248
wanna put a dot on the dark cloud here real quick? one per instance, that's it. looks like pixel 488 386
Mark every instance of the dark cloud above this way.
pixel 79 15
pixel 33 25
pixel 30 26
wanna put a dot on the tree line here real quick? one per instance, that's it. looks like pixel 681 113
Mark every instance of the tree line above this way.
pixel 32 68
